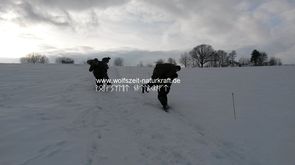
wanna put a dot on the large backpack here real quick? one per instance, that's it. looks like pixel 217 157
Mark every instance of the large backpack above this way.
pixel 100 68
pixel 163 71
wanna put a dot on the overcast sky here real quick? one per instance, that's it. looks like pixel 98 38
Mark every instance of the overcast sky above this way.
pixel 87 26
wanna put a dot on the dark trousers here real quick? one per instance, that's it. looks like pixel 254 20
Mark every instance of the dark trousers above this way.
pixel 162 94
pixel 163 90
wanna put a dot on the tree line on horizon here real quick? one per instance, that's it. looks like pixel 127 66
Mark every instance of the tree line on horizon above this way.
pixel 35 58
pixel 200 56
pixel 205 56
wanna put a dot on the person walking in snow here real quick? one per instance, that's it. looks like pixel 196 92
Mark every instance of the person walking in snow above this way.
pixel 161 73
pixel 100 70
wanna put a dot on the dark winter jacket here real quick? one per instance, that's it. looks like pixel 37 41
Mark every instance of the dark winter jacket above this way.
pixel 99 69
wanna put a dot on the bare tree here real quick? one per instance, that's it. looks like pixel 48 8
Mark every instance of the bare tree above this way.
pixel 222 58
pixel 186 59
pixel 214 61
pixel 160 61
pixel 264 58
pixel 140 64
pixel 149 65
pixel 258 58
pixel 43 60
pixel 274 61
pixel 232 55
pixel 23 60
pixel 202 54
pixel 34 58
pixel 171 61
pixel 244 61
pixel 118 61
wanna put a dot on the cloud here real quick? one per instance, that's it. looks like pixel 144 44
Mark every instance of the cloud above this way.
pixel 267 25
pixel 28 13
pixel 229 24
pixel 56 12
pixel 78 5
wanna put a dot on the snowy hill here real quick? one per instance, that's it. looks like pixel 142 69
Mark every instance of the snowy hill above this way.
pixel 51 114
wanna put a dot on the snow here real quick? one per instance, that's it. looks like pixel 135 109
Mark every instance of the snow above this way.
pixel 51 114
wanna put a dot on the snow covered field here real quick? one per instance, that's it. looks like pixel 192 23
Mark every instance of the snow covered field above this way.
pixel 52 115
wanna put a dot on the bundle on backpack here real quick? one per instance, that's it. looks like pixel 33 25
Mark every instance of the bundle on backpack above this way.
pixel 91 61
